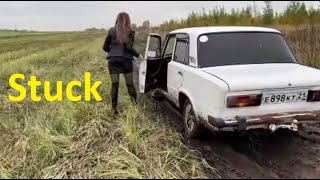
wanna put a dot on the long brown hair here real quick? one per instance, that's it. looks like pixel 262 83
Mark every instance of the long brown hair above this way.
pixel 123 28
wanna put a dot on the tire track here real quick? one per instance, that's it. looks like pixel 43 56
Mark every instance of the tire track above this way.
pixel 254 154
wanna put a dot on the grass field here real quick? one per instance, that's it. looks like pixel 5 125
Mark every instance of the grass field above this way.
pixel 5 34
pixel 81 139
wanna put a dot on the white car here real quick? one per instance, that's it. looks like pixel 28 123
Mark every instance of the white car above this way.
pixel 231 78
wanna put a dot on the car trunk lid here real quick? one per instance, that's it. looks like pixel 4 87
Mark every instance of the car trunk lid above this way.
pixel 266 76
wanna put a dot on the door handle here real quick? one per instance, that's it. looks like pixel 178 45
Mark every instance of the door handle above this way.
pixel 180 72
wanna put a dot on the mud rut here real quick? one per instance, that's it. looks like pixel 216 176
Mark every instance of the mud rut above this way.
pixel 283 154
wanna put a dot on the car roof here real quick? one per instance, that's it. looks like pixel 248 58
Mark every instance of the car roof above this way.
pixel 196 31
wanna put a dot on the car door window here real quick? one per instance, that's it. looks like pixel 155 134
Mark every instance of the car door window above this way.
pixel 169 47
pixel 181 51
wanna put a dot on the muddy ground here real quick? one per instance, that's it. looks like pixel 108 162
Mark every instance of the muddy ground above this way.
pixel 283 154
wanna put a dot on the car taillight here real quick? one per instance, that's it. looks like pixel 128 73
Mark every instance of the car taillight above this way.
pixel 313 96
pixel 244 100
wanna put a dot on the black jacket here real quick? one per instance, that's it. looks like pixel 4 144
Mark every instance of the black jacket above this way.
pixel 116 50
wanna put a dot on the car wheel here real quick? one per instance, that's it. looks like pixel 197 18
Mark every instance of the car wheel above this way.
pixel 193 128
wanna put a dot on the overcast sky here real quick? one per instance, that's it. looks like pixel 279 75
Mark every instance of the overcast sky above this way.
pixel 68 15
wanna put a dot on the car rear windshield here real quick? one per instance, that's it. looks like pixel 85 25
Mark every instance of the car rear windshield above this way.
pixel 219 49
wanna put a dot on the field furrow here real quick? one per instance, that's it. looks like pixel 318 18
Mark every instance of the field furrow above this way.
pixel 82 139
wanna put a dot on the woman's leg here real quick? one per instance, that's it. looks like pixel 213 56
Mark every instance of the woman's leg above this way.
pixel 130 86
pixel 114 90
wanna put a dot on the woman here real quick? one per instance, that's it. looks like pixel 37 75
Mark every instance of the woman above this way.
pixel 119 46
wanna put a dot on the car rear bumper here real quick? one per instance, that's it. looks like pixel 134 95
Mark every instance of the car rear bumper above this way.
pixel 285 120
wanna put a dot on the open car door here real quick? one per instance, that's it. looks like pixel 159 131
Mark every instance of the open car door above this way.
pixel 149 65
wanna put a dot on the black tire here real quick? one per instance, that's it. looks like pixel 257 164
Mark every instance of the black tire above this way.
pixel 193 127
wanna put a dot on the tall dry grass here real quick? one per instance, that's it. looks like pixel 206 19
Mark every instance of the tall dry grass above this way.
pixel 84 139
pixel 305 44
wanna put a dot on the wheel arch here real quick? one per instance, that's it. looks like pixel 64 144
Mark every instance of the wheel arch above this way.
pixel 183 95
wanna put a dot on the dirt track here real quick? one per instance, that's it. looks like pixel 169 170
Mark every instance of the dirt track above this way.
pixel 283 154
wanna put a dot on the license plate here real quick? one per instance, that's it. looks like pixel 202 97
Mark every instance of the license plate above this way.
pixel 285 97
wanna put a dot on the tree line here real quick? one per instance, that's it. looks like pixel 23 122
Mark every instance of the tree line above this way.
pixel 296 13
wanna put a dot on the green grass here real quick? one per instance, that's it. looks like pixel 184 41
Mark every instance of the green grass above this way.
pixel 83 139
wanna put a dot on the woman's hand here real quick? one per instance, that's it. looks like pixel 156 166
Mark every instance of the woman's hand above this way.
pixel 138 60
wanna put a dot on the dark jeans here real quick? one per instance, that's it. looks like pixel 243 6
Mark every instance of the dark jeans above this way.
pixel 115 88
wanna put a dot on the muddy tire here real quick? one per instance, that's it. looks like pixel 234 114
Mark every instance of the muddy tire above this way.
pixel 193 127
